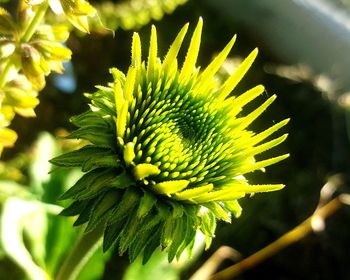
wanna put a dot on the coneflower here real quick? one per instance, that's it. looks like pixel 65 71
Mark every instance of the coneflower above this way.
pixel 168 152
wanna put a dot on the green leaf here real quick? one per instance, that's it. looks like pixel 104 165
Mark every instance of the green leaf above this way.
pixel 79 157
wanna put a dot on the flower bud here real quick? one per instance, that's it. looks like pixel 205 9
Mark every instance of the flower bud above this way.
pixel 7 25
pixel 34 66
pixel 168 149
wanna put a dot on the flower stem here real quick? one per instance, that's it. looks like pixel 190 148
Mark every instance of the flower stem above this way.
pixel 287 239
pixel 39 15
pixel 4 74
pixel 80 255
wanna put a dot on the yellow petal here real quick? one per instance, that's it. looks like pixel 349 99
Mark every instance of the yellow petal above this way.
pixel 205 78
pixel 191 193
pixel 152 56
pixel 236 77
pixel 129 152
pixel 136 51
pixel 174 49
pixel 170 187
pixel 144 170
pixel 192 54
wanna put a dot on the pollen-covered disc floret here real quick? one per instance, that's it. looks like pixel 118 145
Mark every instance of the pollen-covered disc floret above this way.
pixel 168 151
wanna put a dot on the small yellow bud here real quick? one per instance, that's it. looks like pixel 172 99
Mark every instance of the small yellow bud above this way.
pixel 129 153
pixel 144 170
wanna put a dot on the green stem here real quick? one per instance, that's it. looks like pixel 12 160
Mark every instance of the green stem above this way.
pixel 40 13
pixel 80 255
pixel 5 73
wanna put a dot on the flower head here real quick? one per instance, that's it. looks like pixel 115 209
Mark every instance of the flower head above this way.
pixel 76 11
pixel 168 151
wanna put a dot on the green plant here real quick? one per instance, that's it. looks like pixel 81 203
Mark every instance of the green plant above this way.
pixel 168 151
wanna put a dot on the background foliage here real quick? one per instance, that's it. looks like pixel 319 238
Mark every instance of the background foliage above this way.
pixel 318 144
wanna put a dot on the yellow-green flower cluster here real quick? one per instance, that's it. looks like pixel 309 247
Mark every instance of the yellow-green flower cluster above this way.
pixel 76 11
pixel 133 14
pixel 29 51
pixel 169 148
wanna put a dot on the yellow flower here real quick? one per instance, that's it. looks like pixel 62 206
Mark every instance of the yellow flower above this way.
pixel 76 11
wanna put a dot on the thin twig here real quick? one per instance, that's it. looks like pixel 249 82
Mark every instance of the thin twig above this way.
pixel 211 265
pixel 287 239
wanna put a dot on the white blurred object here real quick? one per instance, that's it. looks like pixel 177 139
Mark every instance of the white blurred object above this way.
pixel 311 32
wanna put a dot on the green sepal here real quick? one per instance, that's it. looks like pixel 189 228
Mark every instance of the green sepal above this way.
pixel 190 246
pixel 128 202
pixel 102 208
pixel 79 157
pixel 97 161
pixel 234 207
pixel 90 118
pixel 208 223
pixel 122 181
pixel 146 204
pixel 84 216
pixel 91 183
pixel 149 227
pixel 152 245
pixel 141 242
pixel 129 232
pixel 177 209
pixel 104 104
pixel 178 237
pixel 189 235
pixel 218 211
pixel 112 233
pixel 167 232
pixel 102 182
pixel 94 134
pixel 75 208
pixel 84 182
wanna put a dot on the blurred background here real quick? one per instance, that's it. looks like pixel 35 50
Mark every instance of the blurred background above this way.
pixel 304 58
